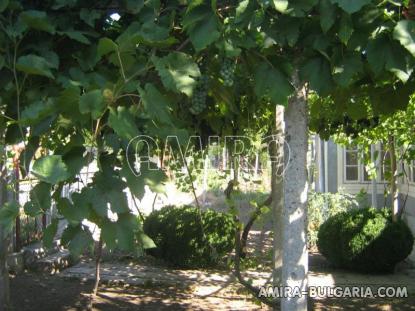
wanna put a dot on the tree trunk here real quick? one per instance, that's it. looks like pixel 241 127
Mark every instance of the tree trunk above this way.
pixel 394 179
pixel 235 160
pixel 224 159
pixel 256 165
pixel 205 178
pixel 4 273
pixel 98 255
pixel 374 181
pixel 18 238
pixel 277 193
pixel 4 244
pixel 295 256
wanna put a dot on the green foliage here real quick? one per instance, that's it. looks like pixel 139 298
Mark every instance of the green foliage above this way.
pixel 189 238
pixel 328 15
pixel 50 233
pixel 351 6
pixel 156 104
pixel 322 206
pixel 317 71
pixel 122 121
pixel 50 169
pixel 37 20
pixel 365 240
pixel 92 102
pixel 77 239
pixel 271 83
pixel 404 32
pixel 34 65
pixel 79 84
pixel 8 213
pixel 178 72
pixel 202 26
pixel 40 199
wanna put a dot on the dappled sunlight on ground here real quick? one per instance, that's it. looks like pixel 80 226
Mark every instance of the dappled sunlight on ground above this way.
pixel 150 284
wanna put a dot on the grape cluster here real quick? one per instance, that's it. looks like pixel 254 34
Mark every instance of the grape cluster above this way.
pixel 227 72
pixel 199 95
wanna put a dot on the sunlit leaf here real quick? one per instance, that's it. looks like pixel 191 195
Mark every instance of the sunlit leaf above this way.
pixel 50 169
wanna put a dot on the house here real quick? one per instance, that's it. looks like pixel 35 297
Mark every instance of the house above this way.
pixel 342 167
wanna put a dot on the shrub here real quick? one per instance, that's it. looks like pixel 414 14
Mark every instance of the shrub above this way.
pixel 365 240
pixel 178 234
pixel 321 206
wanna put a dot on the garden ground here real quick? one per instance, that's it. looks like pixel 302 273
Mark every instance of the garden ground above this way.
pixel 44 292
pixel 151 285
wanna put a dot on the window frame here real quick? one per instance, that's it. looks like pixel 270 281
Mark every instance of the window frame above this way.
pixel 361 167
pixel 345 165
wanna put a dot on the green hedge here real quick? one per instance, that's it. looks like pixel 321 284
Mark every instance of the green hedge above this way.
pixel 321 206
pixel 178 235
pixel 365 240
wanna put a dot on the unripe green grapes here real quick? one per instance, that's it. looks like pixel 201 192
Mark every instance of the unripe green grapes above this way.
pixel 227 72
pixel 199 95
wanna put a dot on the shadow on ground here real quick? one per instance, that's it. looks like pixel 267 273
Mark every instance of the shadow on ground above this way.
pixel 37 292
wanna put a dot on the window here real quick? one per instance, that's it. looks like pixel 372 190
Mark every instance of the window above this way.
pixel 352 164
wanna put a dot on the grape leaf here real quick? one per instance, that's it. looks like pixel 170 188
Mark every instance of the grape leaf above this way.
pixel 156 104
pixel 3 5
pixel 49 233
pixel 404 32
pixel 50 169
pixel 8 213
pixel 328 15
pixel 318 73
pixel 351 6
pixel 105 46
pixel 74 213
pixel 178 72
pixel 37 20
pixel 34 65
pixel 346 28
pixel 123 123
pixel 202 26
pixel 92 102
pixel 271 82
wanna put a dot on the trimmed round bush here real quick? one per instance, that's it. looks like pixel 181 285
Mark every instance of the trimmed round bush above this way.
pixel 180 240
pixel 365 240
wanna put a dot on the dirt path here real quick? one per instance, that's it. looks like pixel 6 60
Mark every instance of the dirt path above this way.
pixel 35 292
pixel 151 285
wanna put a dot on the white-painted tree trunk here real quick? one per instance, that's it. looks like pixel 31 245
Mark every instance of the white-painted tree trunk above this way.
pixel 224 158
pixel 374 181
pixel 295 256
pixel 256 165
pixel 394 179
pixel 277 193
pixel 205 178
